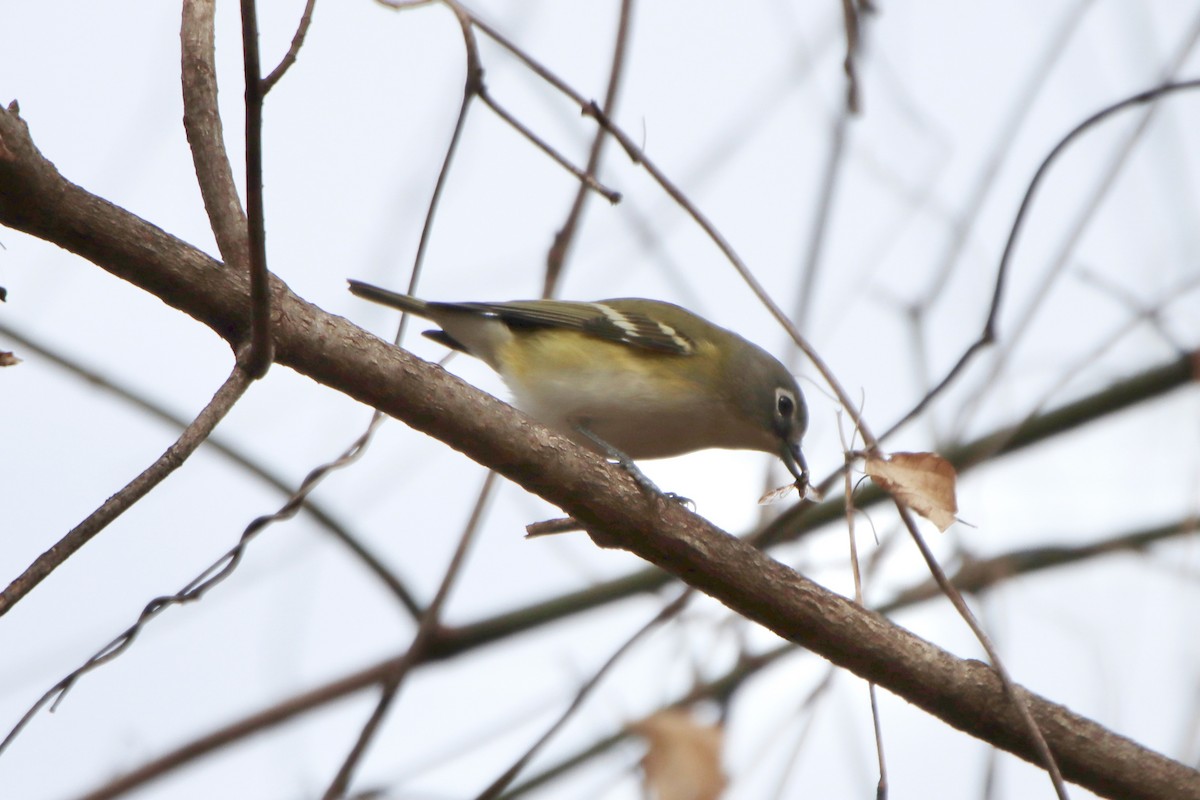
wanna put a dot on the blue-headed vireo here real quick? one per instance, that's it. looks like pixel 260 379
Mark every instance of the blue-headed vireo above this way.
pixel 628 378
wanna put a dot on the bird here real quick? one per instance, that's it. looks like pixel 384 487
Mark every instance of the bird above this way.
pixel 628 378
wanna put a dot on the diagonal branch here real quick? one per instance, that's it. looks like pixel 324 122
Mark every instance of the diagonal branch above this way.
pixel 973 577
pixel 968 695
pixel 191 438
pixel 565 236
pixel 174 456
pixel 320 514
pixel 289 58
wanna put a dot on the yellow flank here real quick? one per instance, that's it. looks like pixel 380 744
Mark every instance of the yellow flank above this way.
pixel 565 353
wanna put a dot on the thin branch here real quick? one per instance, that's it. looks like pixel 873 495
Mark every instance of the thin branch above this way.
pixel 212 575
pixel 228 735
pixel 881 785
pixel 820 222
pixel 426 632
pixel 289 58
pixel 1055 48
pixel 174 456
pixel 988 335
pixel 851 514
pixel 225 398
pixel 670 610
pixel 261 344
pixel 475 85
pixel 470 88
pixel 973 577
pixel 1095 197
pixel 976 576
pixel 850 17
pixel 585 178
pixel 565 237
pixel 1020 698
pixel 320 514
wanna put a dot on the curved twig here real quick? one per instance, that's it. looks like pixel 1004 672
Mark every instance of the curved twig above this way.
pixel 988 335
pixel 191 438
pixel 289 58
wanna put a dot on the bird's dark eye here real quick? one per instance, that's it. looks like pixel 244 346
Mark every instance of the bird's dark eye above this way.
pixel 785 404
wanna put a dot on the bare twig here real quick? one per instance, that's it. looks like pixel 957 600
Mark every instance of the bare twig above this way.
pixel 976 576
pixel 973 577
pixel 293 51
pixel 668 611
pixel 565 236
pixel 426 631
pixel 1069 372
pixel 1094 199
pixel 988 335
pixel 853 24
pixel 229 393
pixel 191 438
pixel 470 90
pixel 214 574
pixel 585 178
pixel 820 222
pixel 320 514
pixel 261 344
pixel 1019 696
pixel 1043 65
pixel 851 514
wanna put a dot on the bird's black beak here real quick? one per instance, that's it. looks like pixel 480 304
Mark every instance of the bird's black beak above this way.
pixel 794 460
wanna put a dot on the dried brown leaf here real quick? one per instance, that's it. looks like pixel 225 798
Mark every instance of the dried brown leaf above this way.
pixel 8 359
pixel 925 482
pixel 684 759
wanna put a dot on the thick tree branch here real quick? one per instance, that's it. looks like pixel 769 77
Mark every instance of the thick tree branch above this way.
pixel 966 694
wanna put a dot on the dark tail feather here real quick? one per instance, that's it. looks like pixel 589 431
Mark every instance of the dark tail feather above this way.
pixel 385 297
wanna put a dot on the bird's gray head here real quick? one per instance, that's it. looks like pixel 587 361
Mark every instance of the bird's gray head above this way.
pixel 768 394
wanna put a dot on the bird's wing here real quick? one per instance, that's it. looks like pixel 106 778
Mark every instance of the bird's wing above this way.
pixel 614 321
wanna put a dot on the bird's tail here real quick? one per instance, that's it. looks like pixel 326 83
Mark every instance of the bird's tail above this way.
pixel 386 297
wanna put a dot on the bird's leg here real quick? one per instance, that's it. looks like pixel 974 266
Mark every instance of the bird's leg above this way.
pixel 626 463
